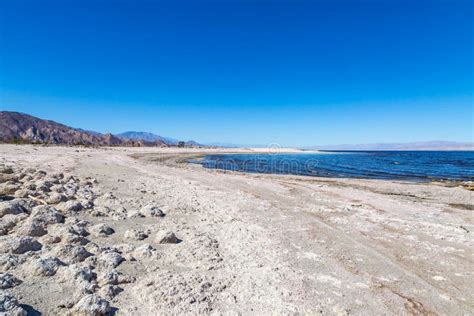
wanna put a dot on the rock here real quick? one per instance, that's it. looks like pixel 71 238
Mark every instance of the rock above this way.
pixel 58 189
pixel 6 224
pixel 7 281
pixel 43 186
pixel 134 234
pixel 9 305
pixel 73 235
pixel 83 273
pixel 166 237
pixel 87 203
pixel 89 287
pixel 30 186
pixel 110 291
pixel 91 305
pixel 76 226
pixel 4 177
pixel 40 218
pixel 11 207
pixel 6 170
pixel 151 211
pixel 144 251
pixel 49 240
pixel 70 206
pixel 27 203
pixel 24 193
pixel 47 215
pixel 101 211
pixel 101 230
pixel 38 174
pixel 110 259
pixel 120 213
pixel 73 254
pixel 8 188
pixel 55 198
pixel 33 227
pixel 47 266
pixel 57 175
pixel 20 245
pixel 114 277
pixel 9 261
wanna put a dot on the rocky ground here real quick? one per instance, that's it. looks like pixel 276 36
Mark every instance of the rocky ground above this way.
pixel 132 231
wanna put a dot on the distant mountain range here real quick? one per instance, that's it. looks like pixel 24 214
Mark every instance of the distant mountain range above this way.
pixel 430 145
pixel 23 128
pixel 149 137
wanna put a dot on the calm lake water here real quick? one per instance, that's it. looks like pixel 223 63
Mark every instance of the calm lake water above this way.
pixel 408 165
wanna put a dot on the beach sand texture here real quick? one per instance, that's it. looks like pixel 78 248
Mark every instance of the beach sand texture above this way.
pixel 139 231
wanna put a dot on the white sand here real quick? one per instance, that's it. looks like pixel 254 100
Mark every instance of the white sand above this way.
pixel 253 243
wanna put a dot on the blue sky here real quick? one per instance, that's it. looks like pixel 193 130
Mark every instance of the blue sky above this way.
pixel 292 72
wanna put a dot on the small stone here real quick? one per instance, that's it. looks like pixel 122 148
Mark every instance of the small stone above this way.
pixel 87 203
pixel 73 254
pixel 91 305
pixel 33 227
pixel 40 218
pixel 6 170
pixel 55 198
pixel 101 211
pixel 9 261
pixel 9 305
pixel 166 237
pixel 24 193
pixel 144 251
pixel 151 211
pixel 6 224
pixel 49 240
pixel 8 177
pixel 20 245
pixel 7 281
pixel 114 277
pixel 110 259
pixel 83 273
pixel 47 267
pixel 43 186
pixel 8 188
pixel 101 230
pixel 47 215
pixel 11 207
pixel 134 234
pixel 110 291
pixel 70 206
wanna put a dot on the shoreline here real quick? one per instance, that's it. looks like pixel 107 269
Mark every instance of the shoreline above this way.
pixel 184 158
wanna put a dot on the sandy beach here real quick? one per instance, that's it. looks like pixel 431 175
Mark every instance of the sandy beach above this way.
pixel 140 231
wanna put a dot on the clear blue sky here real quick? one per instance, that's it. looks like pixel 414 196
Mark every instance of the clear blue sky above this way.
pixel 292 72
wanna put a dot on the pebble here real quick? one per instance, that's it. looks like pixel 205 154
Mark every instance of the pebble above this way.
pixel 20 245
pixel 135 234
pixel 11 207
pixel 166 237
pixel 101 230
pixel 9 305
pixel 151 211
pixel 47 266
pixel 91 305
pixel 8 280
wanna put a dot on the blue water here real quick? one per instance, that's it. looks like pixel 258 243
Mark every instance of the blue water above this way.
pixel 403 165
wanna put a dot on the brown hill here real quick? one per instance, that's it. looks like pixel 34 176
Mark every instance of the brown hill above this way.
pixel 20 127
